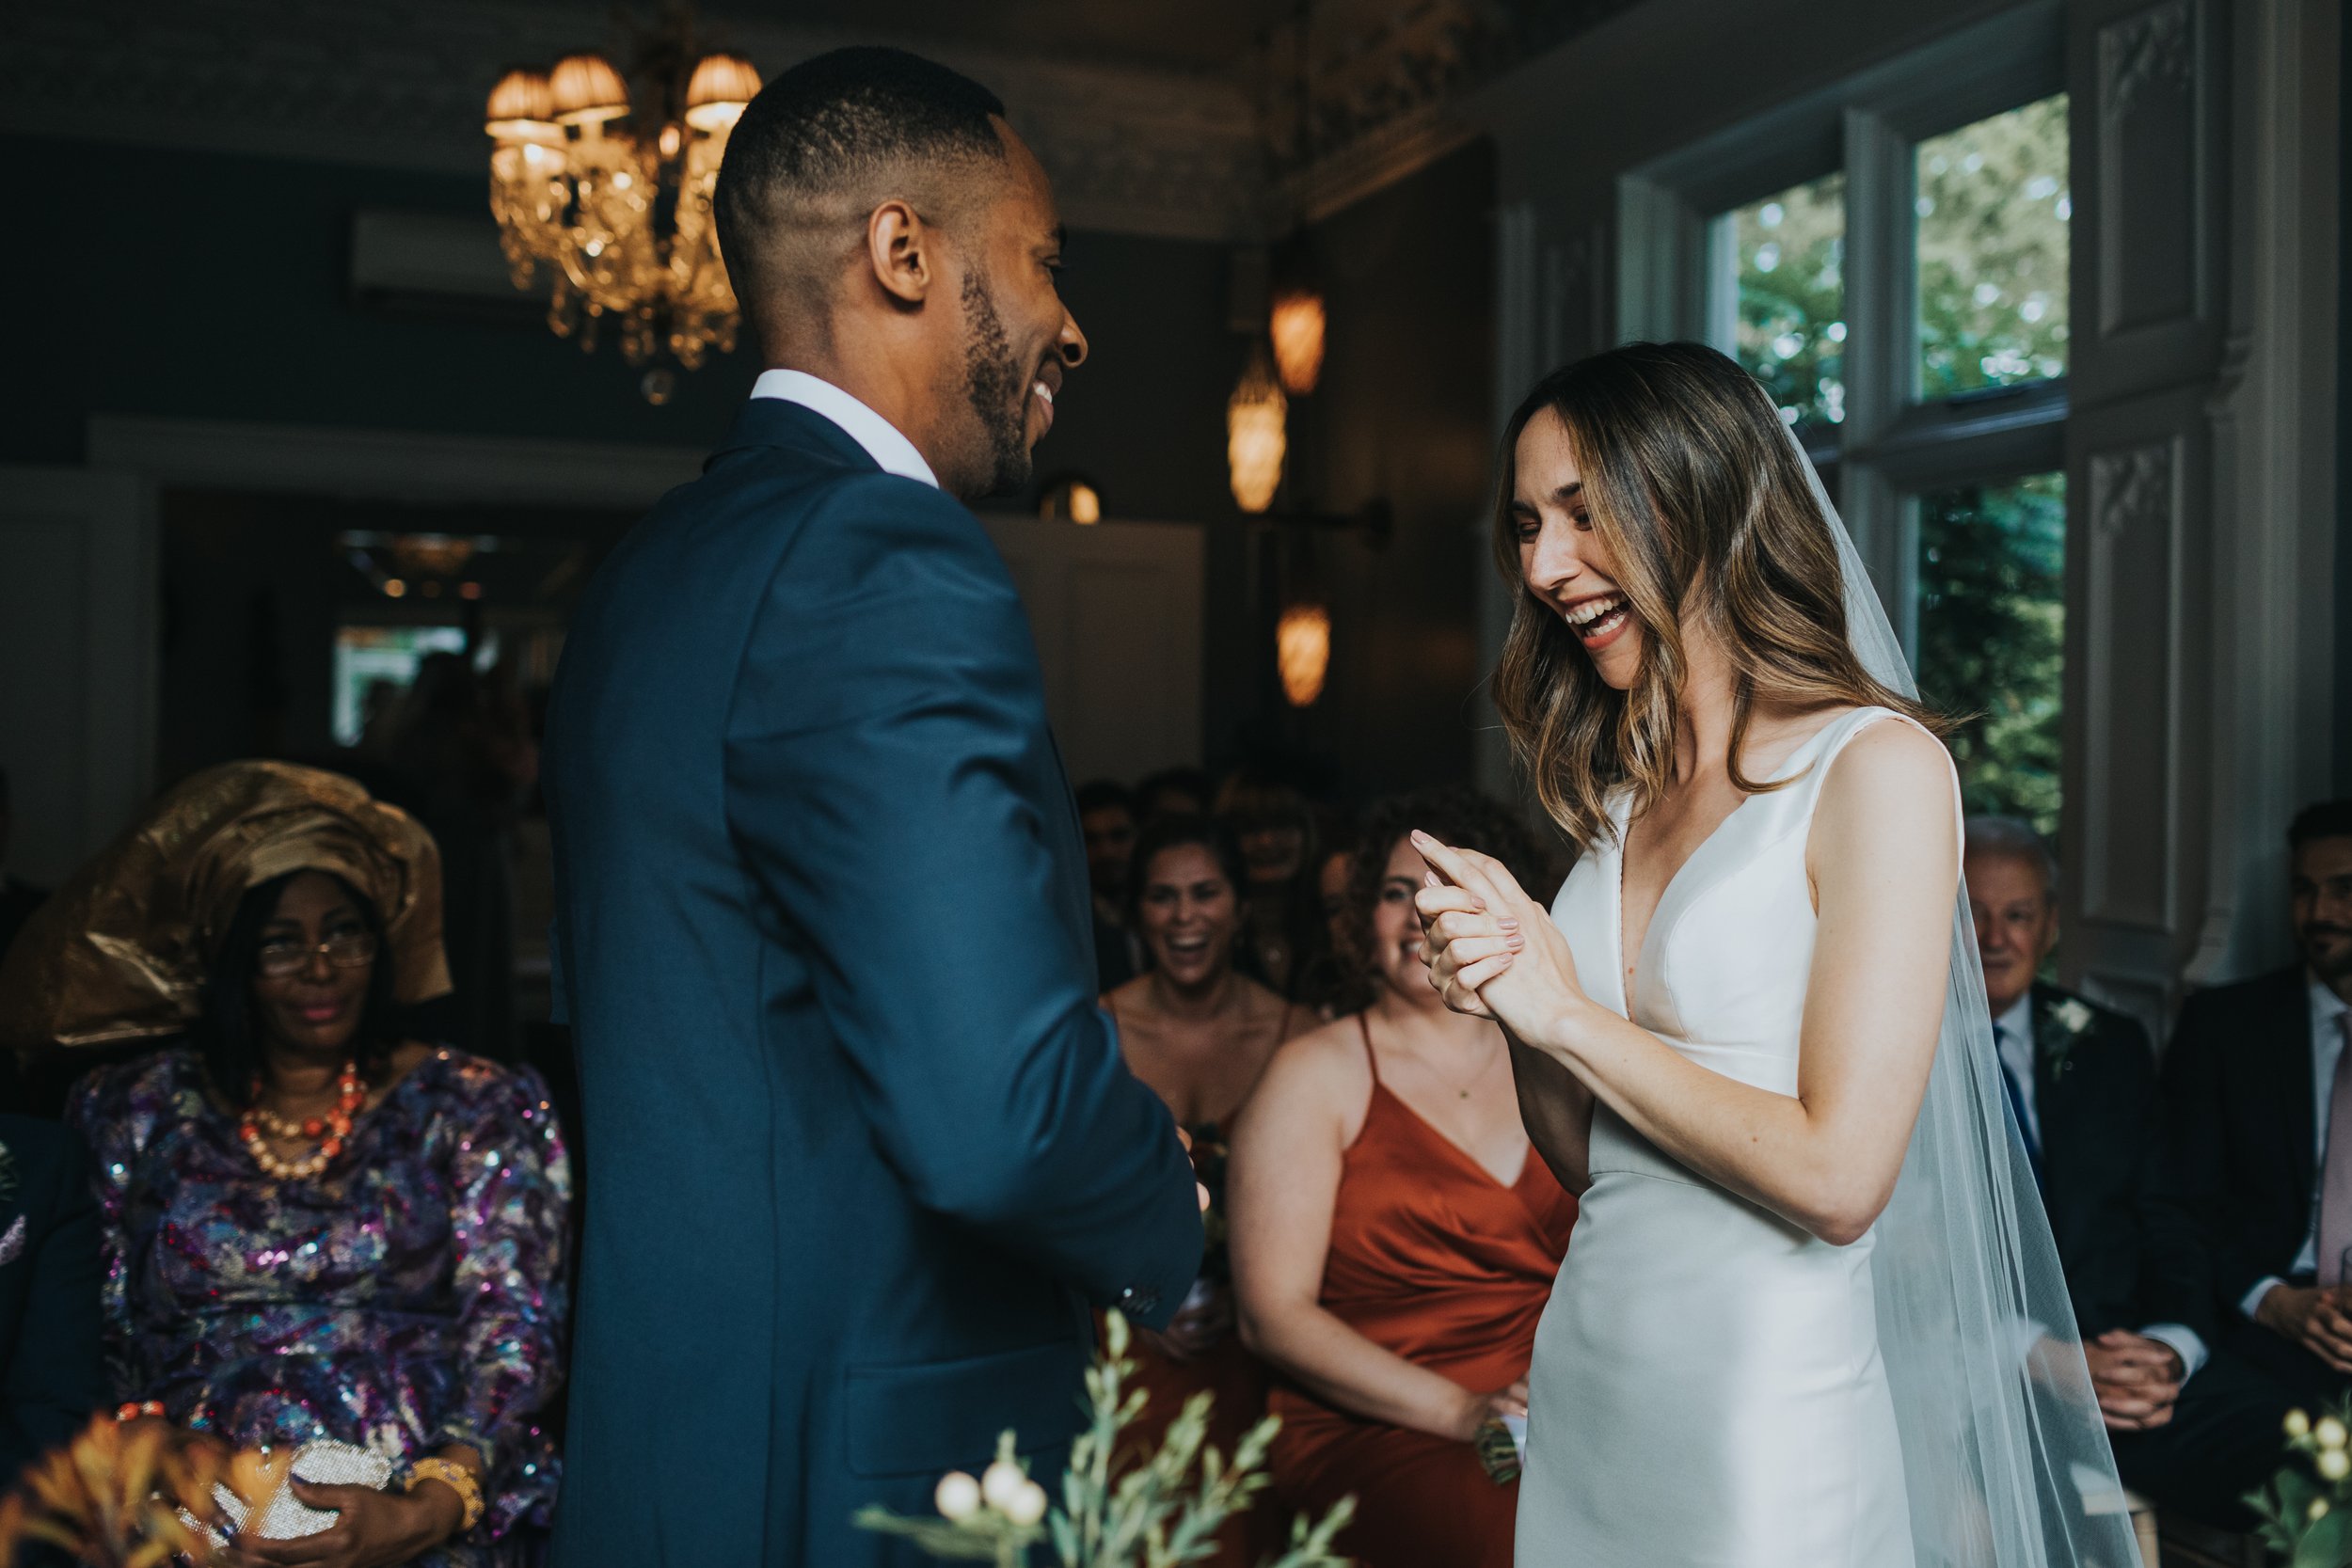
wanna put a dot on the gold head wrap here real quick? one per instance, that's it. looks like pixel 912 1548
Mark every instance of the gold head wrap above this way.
pixel 121 952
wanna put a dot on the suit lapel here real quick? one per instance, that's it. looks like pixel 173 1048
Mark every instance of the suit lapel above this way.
pixel 2289 1025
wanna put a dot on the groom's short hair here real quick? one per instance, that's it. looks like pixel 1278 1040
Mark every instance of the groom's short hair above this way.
pixel 830 140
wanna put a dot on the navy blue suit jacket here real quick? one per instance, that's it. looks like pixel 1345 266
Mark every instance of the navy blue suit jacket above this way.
pixel 859 1146
pixel 52 1381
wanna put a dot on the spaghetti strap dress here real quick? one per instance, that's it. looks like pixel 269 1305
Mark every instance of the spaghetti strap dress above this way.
pixel 1433 1258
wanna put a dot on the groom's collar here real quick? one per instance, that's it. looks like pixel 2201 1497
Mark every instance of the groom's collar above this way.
pixel 881 440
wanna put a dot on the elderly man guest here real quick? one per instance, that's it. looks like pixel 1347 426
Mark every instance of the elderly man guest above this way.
pixel 2258 1090
pixel 2192 1427
pixel 865 1148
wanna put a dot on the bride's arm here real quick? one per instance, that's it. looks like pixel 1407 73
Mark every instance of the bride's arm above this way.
pixel 1281 1184
pixel 1884 861
pixel 1558 1111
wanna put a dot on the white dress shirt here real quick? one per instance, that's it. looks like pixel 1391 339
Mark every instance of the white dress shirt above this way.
pixel 2327 1010
pixel 884 441
pixel 2014 1038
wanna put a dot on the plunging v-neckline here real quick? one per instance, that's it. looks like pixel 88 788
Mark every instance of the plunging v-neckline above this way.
pixel 1626 976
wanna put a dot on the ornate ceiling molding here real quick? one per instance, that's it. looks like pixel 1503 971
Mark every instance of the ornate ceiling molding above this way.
pixel 400 86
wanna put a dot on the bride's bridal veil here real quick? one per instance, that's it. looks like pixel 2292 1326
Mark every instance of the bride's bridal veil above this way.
pixel 2005 1455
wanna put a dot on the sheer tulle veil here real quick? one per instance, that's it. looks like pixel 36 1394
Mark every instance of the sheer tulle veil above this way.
pixel 2005 1455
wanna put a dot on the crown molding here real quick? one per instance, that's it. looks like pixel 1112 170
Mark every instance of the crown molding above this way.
pixel 400 86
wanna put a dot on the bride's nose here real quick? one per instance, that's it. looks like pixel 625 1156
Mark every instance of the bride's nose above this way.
pixel 1554 563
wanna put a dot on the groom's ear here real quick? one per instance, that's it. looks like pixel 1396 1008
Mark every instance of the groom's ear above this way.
pixel 903 252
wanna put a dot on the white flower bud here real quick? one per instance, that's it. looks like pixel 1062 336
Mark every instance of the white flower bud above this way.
pixel 2298 1424
pixel 2317 1511
pixel 1027 1506
pixel 959 1497
pixel 2330 1433
pixel 2335 1464
pixel 1000 1484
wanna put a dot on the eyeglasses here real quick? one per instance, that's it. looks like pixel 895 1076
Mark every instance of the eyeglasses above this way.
pixel 345 950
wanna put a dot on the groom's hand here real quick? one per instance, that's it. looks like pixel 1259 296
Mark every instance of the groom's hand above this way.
pixel 2311 1316
pixel 2138 1380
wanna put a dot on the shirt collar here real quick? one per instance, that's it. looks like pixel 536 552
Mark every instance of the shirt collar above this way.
pixel 884 441
pixel 2326 1006
pixel 2016 1027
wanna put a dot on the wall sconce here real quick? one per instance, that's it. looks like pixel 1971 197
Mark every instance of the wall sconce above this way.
pixel 1255 441
pixel 1302 652
pixel 1070 500
pixel 1296 324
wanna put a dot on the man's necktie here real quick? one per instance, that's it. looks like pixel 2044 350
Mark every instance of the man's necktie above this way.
pixel 2335 1181
pixel 2017 1105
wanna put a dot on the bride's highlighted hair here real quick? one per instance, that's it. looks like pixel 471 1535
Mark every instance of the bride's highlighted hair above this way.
pixel 1707 510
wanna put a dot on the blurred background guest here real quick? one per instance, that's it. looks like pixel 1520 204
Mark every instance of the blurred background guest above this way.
pixel 50 1377
pixel 1283 916
pixel 2258 1100
pixel 1173 792
pixel 1200 1034
pixel 19 898
pixel 314 1225
pixel 455 752
pixel 1107 814
pixel 2192 1427
pixel 1336 980
pixel 1394 1238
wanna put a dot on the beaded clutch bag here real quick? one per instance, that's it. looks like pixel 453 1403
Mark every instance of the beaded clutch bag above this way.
pixel 322 1461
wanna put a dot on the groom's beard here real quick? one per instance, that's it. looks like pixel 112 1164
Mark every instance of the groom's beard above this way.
pixel 998 389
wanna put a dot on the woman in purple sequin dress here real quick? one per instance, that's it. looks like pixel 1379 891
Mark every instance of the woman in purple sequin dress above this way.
pixel 315 1227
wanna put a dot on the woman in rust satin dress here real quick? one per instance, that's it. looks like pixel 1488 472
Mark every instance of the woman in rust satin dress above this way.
pixel 1199 1035
pixel 1394 1236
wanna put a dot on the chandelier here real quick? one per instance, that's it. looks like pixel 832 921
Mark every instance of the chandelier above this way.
pixel 613 197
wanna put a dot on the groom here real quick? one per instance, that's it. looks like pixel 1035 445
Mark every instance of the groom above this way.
pixel 861 1148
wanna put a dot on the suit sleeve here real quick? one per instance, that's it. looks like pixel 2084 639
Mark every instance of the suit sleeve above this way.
pixel 887 729
pixel 2197 1183
pixel 2175 1276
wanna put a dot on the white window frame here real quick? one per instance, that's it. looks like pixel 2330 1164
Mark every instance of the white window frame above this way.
pixel 1674 255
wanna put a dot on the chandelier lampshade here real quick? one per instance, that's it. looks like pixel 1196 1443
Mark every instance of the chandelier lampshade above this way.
pixel 1255 440
pixel 586 91
pixel 1302 652
pixel 621 214
pixel 722 87
pixel 522 108
pixel 1296 326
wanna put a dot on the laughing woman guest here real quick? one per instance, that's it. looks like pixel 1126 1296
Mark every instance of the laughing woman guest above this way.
pixel 1200 1034
pixel 315 1227
pixel 1393 1237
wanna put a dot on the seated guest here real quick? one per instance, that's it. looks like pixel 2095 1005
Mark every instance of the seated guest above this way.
pixel 50 1382
pixel 1394 1237
pixel 1283 928
pixel 315 1227
pixel 2258 1086
pixel 1334 982
pixel 2193 1429
pixel 1199 1035
pixel 1107 814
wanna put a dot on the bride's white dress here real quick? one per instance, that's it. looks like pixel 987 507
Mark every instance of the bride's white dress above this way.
pixel 1707 1390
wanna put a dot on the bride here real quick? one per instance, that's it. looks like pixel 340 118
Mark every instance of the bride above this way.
pixel 1810 1317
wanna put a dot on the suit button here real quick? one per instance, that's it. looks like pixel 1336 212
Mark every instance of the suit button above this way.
pixel 1145 1302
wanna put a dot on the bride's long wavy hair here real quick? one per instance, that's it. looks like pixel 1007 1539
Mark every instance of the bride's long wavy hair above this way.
pixel 1702 501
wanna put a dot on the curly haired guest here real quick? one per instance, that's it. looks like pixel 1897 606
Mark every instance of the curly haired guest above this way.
pixel 315 1227
pixel 1394 1237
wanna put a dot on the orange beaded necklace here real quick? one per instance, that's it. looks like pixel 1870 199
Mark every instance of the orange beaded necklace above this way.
pixel 333 1128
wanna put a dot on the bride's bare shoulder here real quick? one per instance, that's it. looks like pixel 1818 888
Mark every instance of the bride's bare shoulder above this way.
pixel 1892 784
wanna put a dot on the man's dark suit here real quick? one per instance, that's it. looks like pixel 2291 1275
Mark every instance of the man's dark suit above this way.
pixel 862 1147
pixel 17 900
pixel 2241 1124
pixel 51 1380
pixel 2133 1259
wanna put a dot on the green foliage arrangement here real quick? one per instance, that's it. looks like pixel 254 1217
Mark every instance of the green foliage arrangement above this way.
pixel 1991 623
pixel 2306 1511
pixel 1159 1513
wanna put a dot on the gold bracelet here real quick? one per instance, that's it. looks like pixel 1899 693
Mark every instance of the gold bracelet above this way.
pixel 457 1479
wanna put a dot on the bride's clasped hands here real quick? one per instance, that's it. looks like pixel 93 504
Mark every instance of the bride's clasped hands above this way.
pixel 1493 951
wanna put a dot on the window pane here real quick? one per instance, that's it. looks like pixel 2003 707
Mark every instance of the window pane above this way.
pixel 1790 251
pixel 1993 210
pixel 1992 609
